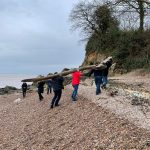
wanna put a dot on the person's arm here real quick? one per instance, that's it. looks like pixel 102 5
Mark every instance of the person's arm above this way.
pixel 62 80
pixel 109 64
pixel 91 72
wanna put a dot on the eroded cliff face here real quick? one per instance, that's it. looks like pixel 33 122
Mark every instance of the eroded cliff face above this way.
pixel 93 57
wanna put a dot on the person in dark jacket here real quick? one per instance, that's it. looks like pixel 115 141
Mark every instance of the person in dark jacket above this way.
pixel 49 86
pixel 98 79
pixel 41 90
pixel 24 89
pixel 57 84
pixel 105 74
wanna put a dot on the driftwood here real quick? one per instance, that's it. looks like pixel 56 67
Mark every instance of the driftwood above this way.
pixel 101 66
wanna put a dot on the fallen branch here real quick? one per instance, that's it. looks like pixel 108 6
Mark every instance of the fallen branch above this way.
pixel 101 66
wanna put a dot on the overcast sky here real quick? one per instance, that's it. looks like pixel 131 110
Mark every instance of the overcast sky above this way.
pixel 35 37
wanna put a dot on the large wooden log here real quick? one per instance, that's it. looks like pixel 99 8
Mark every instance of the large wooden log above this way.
pixel 101 66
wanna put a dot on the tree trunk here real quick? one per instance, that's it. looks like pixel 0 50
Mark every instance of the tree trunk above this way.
pixel 101 66
pixel 141 13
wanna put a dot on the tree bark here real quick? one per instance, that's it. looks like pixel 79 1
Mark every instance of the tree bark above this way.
pixel 101 66
pixel 141 13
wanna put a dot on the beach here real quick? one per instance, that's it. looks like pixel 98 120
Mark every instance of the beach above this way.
pixel 97 122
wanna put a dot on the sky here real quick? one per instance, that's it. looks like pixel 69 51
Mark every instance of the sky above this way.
pixel 35 37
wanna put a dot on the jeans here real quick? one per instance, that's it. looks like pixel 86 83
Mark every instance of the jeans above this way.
pixel 75 91
pixel 49 90
pixel 56 98
pixel 98 82
pixel 104 80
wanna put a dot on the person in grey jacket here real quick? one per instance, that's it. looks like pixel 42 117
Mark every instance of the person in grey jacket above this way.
pixel 57 85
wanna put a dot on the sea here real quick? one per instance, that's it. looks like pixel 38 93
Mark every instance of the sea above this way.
pixel 13 80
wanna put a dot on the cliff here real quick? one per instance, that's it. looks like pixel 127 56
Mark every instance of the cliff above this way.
pixel 93 57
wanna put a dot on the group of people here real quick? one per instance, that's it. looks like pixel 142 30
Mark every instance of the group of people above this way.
pixel 56 83
pixel 101 77
pixel 40 88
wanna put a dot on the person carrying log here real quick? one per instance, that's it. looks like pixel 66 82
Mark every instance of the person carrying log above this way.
pixel 49 86
pixel 57 85
pixel 98 74
pixel 105 73
pixel 40 90
pixel 75 83
pixel 24 89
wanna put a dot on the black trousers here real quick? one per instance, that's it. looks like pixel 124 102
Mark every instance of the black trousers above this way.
pixel 49 90
pixel 40 96
pixel 56 98
pixel 24 93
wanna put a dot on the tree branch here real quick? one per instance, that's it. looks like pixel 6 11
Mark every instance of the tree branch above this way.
pixel 101 66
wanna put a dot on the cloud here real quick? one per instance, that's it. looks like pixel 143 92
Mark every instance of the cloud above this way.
pixel 36 33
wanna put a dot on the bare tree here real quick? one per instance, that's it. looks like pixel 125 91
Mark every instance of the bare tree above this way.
pixel 92 18
pixel 141 7
pixel 81 17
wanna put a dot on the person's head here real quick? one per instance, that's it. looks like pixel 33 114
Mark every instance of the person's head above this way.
pixel 97 63
pixel 111 60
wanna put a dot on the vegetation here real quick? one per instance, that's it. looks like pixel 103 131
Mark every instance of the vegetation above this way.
pixel 100 22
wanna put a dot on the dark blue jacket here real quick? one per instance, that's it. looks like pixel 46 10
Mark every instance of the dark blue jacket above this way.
pixel 41 87
pixel 96 72
pixel 57 83
pixel 49 83
pixel 24 86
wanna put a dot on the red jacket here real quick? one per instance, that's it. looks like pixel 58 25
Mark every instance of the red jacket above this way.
pixel 76 77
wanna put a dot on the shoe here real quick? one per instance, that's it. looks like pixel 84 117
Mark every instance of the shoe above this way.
pixel 98 93
pixel 103 87
pixel 51 106
pixel 74 100
pixel 41 98
pixel 57 105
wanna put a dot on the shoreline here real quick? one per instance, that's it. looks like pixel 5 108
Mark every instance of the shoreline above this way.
pixel 13 80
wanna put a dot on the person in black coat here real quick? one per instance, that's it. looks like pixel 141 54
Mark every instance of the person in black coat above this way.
pixel 41 90
pixel 24 89
pixel 57 85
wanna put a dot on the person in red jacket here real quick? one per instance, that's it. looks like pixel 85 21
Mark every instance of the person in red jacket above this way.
pixel 75 83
